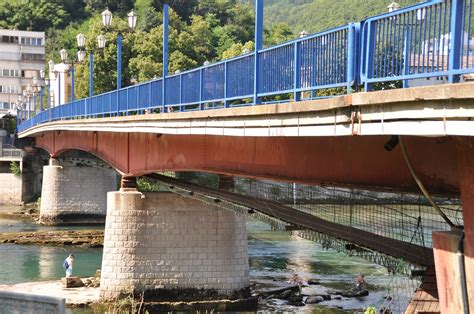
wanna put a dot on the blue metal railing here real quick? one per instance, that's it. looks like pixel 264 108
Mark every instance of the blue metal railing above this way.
pixel 431 39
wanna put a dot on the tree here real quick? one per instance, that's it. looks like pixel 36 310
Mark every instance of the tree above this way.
pixel 119 6
pixel 277 34
pixel 184 8
pixel 238 49
pixel 38 15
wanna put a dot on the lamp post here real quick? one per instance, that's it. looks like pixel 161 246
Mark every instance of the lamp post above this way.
pixel 81 43
pixel 107 22
pixel 64 56
pixel 41 90
pixel 20 111
pixel 37 89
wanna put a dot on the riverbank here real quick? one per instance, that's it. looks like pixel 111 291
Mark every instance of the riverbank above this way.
pixel 89 238
pixel 75 297
pixel 89 297
pixel 28 212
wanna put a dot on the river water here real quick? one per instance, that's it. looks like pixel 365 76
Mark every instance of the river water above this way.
pixel 273 257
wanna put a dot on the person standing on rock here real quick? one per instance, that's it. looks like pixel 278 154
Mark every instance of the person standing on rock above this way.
pixel 360 282
pixel 297 280
pixel 68 263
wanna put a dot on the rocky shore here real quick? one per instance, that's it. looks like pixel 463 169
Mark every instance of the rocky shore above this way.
pixel 89 238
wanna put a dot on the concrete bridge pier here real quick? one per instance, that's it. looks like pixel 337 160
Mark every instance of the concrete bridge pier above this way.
pixel 454 250
pixel 169 247
pixel 75 194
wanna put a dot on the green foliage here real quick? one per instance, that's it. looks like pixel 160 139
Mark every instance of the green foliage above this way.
pixel 37 15
pixel 15 168
pixel 149 185
pixel 278 33
pixel 316 16
pixel 38 203
pixel 238 49
pixel 8 123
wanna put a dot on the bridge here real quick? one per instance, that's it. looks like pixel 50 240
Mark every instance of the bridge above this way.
pixel 322 109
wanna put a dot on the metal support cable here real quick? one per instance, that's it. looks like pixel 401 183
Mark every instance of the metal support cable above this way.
pixel 421 186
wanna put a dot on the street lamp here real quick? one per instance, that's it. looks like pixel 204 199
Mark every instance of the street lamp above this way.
pixel 132 19
pixel 81 43
pixel 63 54
pixel 51 70
pixel 37 89
pixel 107 22
pixel 101 40
pixel 106 18
pixel 304 33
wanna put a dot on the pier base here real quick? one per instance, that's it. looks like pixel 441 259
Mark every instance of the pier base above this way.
pixel 170 248
pixel 75 195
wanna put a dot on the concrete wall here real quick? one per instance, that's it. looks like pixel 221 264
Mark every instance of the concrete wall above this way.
pixel 73 194
pixel 16 303
pixel 163 244
pixel 11 189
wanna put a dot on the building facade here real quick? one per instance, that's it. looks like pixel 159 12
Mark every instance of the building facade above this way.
pixel 22 56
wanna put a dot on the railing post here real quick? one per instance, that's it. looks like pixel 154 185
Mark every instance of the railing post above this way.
pixel 407 56
pixel 351 59
pixel 126 103
pixel 226 105
pixel 181 92
pixel 201 107
pixel 296 73
pixel 165 53
pixel 455 40
pixel 258 47
pixel 370 55
pixel 41 100
pixel 149 95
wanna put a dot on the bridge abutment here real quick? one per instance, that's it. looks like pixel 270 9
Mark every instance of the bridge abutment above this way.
pixel 169 248
pixel 73 194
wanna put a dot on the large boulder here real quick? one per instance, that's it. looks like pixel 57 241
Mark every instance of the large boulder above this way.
pixel 72 282
pixel 313 299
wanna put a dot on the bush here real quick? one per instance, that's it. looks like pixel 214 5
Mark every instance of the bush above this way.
pixel 15 168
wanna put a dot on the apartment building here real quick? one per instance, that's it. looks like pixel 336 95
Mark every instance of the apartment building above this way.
pixel 22 56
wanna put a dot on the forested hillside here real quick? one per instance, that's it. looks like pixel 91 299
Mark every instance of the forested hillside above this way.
pixel 317 15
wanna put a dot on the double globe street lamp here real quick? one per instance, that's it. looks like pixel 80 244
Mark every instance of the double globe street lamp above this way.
pixel 107 22
pixel 101 41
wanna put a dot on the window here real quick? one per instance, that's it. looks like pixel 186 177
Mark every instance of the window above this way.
pixel 32 57
pixel 5 72
pixel 31 41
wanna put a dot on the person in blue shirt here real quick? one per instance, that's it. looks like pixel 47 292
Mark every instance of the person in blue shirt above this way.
pixel 68 263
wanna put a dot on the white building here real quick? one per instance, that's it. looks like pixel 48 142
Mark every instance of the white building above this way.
pixel 434 55
pixel 22 56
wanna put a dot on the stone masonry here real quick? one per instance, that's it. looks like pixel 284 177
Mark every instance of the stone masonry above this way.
pixel 10 189
pixel 167 246
pixel 73 194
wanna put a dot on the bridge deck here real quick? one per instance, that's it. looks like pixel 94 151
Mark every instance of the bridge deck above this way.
pixel 413 253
